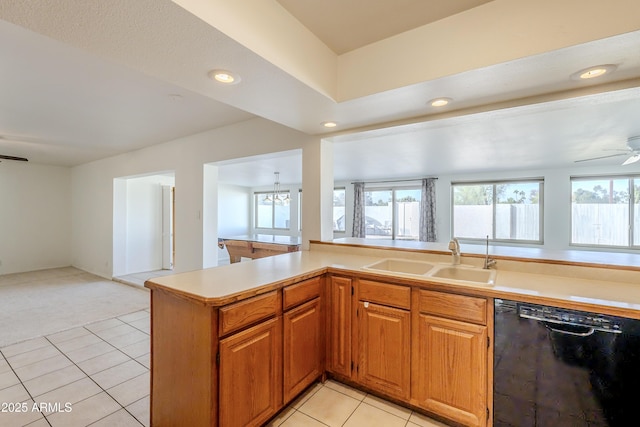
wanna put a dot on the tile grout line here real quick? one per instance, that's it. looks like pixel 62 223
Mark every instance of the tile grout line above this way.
pixel 22 352
pixel 69 339
pixel 353 412
pixel 87 376
pixel 123 407
pixel 290 415
pixel 99 386
pixel 131 358
pixel 302 404
pixel 117 326
pixel 384 410
pixel 23 386
pixel 80 348
pixel 360 402
pixel 309 398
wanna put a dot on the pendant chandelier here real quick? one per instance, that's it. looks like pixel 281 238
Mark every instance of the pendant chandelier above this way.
pixel 277 198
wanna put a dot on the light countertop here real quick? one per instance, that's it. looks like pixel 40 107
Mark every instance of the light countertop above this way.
pixel 225 284
pixel 575 256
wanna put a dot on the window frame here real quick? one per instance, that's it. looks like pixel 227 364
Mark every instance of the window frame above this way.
pixel 299 209
pixel 273 213
pixel 494 183
pixel 344 189
pixel 632 180
pixel 393 190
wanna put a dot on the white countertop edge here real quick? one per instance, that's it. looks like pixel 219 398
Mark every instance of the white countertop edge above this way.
pixel 224 281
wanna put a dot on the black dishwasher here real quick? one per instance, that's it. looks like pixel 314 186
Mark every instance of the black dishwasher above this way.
pixel 556 367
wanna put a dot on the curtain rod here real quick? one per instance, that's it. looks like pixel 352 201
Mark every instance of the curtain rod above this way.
pixel 394 180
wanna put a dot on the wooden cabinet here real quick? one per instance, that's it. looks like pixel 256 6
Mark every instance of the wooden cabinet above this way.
pixel 239 364
pixel 384 337
pixel 340 311
pixel 251 375
pixel 384 353
pixel 450 356
pixel 303 336
pixel 183 365
pixel 239 315
pixel 268 364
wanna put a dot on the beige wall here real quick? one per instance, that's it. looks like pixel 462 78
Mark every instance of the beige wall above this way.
pixel 92 188
pixel 35 216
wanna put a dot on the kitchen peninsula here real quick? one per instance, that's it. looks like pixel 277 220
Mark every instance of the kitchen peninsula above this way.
pixel 233 345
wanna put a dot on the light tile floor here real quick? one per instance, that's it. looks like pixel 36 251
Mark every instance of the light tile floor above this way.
pixel 101 372
pixel 138 279
pixel 335 404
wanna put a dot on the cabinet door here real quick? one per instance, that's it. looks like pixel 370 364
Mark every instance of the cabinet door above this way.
pixel 303 347
pixel 251 375
pixel 451 369
pixel 384 334
pixel 340 326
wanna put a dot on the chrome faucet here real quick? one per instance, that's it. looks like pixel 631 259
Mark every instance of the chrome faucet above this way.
pixel 454 247
pixel 488 262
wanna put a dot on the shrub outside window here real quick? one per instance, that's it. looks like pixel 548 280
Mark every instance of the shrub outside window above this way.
pixel 509 211
pixel 605 211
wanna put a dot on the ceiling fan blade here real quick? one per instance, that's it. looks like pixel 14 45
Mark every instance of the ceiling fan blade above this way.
pixel 631 159
pixel 601 157
pixel 20 159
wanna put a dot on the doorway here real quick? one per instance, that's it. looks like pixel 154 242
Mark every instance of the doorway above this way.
pixel 143 224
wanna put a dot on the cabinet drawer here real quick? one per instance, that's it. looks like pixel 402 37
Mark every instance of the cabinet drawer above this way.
pixel 301 292
pixel 385 294
pixel 460 307
pixel 244 313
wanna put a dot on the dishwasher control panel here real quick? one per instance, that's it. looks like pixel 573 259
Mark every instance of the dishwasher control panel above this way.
pixel 569 317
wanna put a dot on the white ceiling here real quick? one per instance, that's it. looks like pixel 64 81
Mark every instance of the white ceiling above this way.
pixel 530 137
pixel 81 81
pixel 62 106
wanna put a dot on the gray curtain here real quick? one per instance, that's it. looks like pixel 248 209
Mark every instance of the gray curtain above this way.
pixel 428 211
pixel 359 228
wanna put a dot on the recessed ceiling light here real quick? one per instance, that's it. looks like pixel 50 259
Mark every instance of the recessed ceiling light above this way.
pixel 440 102
pixel 593 72
pixel 224 76
pixel 329 124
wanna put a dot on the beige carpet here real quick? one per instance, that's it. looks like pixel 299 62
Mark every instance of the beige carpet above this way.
pixel 42 302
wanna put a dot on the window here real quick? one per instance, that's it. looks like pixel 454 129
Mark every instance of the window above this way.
pixel 392 213
pixel 300 209
pixel 338 210
pixel 272 212
pixel 504 211
pixel 605 211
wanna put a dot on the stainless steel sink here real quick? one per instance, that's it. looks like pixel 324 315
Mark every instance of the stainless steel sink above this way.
pixel 464 274
pixel 392 265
